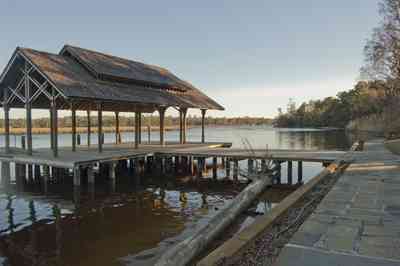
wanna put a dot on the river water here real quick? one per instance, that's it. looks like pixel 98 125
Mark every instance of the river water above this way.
pixel 130 225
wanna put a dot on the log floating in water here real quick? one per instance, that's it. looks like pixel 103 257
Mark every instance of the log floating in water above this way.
pixel 183 252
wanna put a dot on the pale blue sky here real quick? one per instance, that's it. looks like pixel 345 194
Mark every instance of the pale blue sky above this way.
pixel 251 56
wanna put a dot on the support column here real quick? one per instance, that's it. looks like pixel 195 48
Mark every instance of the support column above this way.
pixel 5 166
pixel 89 127
pixel 73 118
pixel 184 123
pixel 137 130
pixel 180 126
pixel 290 172
pixel 90 174
pixel 250 166
pixel 203 116
pixel 28 108
pixel 140 127
pixel 214 169
pixel 77 176
pixel 228 167
pixel 100 126
pixel 161 112
pixel 117 133
pixel 111 168
pixel 299 172
pixel 51 127
pixel 54 125
pixel 236 170
pixel 6 121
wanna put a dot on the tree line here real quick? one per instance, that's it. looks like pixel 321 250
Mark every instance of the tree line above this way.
pixel 170 121
pixel 377 93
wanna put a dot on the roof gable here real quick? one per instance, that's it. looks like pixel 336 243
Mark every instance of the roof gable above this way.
pixel 109 67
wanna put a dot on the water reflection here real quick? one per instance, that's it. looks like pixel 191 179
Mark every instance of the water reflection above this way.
pixel 128 225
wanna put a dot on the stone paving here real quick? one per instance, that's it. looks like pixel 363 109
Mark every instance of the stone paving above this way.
pixel 358 222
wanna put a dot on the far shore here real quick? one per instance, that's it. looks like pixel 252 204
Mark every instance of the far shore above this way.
pixel 83 130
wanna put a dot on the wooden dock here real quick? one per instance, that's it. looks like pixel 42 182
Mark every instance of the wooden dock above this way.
pixel 189 158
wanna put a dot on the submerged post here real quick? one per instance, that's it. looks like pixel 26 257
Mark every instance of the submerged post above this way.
pixel 73 122
pixel 161 111
pixel 203 115
pixel 100 126
pixel 89 127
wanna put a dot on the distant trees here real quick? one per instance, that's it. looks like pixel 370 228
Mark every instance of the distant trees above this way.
pixel 109 121
pixel 367 97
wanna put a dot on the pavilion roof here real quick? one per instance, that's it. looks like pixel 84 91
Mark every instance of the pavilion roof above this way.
pixel 90 76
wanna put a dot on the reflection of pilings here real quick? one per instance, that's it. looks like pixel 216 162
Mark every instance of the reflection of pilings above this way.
pixel 57 221
pixel 10 217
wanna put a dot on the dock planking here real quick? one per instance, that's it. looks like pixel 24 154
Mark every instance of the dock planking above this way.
pixel 113 152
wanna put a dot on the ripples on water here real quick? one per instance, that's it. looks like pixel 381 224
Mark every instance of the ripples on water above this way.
pixel 130 225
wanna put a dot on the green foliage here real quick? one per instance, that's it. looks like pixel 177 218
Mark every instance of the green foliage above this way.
pixel 364 99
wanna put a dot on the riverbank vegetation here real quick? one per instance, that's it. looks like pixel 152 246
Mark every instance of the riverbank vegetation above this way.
pixel 42 125
pixel 378 93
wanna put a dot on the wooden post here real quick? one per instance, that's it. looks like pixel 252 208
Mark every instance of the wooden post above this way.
pixel 89 127
pixel 100 126
pixel 37 173
pixel 6 121
pixel 203 115
pixel 90 174
pixel 54 125
pixel 200 167
pixel 5 173
pixel 250 166
pixel 290 172
pixel 180 126
pixel 140 127
pixel 215 164
pixel 73 117
pixel 77 176
pixel 184 123
pixel 236 170
pixel 111 173
pixel 117 133
pixel 51 127
pixel 228 167
pixel 28 108
pixel 299 172
pixel 263 165
pixel 161 111
pixel 136 130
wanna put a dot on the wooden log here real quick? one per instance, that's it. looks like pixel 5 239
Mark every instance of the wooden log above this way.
pixel 183 252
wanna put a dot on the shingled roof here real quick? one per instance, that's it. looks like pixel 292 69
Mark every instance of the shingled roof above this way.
pixel 86 76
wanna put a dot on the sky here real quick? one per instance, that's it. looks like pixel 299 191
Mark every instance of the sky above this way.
pixel 250 56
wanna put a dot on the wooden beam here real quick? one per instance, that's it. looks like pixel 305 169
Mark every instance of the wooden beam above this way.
pixel 54 126
pixel 161 111
pixel 100 127
pixel 89 127
pixel 73 117
pixel 28 112
pixel 6 121
pixel 117 133
pixel 203 115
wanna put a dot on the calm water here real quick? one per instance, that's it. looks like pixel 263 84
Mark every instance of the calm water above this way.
pixel 129 225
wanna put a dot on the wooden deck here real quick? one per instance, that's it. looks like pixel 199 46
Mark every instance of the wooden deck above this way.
pixel 112 152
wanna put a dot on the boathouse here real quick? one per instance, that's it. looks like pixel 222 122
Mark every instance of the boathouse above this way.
pixel 85 80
